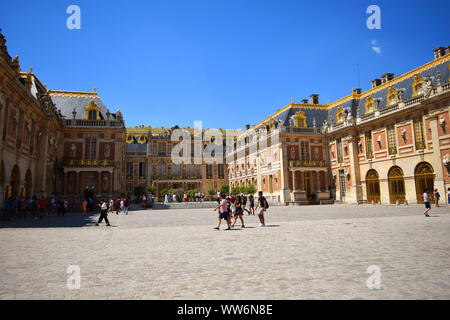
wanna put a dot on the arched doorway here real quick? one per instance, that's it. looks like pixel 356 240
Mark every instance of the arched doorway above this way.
pixel 396 185
pixel 424 178
pixel 373 186
pixel 28 184
pixel 15 181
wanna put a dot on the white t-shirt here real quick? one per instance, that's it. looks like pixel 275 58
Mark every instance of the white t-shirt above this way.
pixel 104 207
pixel 425 197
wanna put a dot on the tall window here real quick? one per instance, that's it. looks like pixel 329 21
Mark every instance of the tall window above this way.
pixel 305 150
pixel 221 170
pixel 339 150
pixel 369 148
pixel 209 169
pixel 162 148
pixel 130 169
pixel 392 139
pixel 90 151
pixel 418 134
pixel 92 115
pixel 142 169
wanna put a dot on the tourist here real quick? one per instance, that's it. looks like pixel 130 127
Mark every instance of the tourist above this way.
pixel 244 204
pixel 117 205
pixel 251 199
pixel 34 206
pixel 174 197
pixel 263 205
pixel 223 213
pixel 166 199
pixel 42 206
pixel 426 201
pixel 239 211
pixel 60 208
pixel 111 205
pixel 84 206
pixel 126 205
pixel 103 213
pixel 9 206
pixel 185 197
pixel 122 204
pixel 437 196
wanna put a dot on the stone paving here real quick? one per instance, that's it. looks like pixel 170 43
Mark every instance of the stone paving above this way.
pixel 311 252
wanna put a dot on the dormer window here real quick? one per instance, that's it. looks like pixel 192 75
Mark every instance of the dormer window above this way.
pixel 392 96
pixel 417 85
pixel 92 111
pixel 340 114
pixel 370 105
pixel 300 120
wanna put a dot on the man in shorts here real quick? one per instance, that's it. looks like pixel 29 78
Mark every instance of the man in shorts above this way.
pixel 223 213
pixel 426 201
pixel 261 208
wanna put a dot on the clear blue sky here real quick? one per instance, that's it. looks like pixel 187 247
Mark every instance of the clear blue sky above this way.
pixel 224 62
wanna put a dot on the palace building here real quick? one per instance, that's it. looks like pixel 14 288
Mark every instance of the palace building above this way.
pixel 386 145
pixel 149 162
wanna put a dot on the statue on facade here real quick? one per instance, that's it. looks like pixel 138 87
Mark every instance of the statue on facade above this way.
pixel 427 86
pixel 107 151
pixel 73 150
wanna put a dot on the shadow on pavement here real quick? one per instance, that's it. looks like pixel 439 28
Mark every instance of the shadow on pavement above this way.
pixel 70 220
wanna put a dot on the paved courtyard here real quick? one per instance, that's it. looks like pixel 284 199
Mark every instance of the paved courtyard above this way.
pixel 311 252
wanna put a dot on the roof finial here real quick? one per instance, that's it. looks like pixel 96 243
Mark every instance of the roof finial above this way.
pixel 292 100
pixel 95 89
pixel 31 69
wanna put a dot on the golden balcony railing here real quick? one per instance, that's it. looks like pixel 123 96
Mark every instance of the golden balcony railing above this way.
pixel 307 163
pixel 88 163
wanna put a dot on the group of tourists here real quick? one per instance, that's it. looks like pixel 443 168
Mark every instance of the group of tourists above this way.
pixel 113 205
pixel 32 208
pixel 230 207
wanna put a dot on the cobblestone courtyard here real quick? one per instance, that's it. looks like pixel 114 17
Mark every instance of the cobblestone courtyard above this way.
pixel 311 252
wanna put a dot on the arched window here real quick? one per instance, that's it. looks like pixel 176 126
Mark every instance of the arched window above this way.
pixel 424 179
pixel 396 185
pixel 373 186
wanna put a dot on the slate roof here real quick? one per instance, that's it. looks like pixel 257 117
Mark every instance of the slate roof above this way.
pixel 66 101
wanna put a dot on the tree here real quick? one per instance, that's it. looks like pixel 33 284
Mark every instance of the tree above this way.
pixel 251 189
pixel 138 191
pixel 152 190
pixel 211 193
pixel 235 191
pixel 225 189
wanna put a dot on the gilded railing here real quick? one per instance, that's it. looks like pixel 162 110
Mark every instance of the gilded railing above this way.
pixel 88 163
pixel 310 163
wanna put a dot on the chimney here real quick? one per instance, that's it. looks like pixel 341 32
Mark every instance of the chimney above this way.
pixel 387 77
pixel 439 52
pixel 356 91
pixel 376 83
pixel 247 126
pixel 314 98
pixel 305 101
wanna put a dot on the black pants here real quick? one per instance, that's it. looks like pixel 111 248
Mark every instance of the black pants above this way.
pixel 103 215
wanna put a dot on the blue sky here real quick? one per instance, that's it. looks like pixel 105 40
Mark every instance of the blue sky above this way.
pixel 225 62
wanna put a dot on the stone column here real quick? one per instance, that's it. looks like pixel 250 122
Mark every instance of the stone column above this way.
pixel 302 180
pixel 41 163
pixel 293 181
pixel 318 180
pixel 356 190
pixel 325 174
pixel 285 191
pixel 437 159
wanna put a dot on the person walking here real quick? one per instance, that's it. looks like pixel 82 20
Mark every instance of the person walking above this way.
pixel 223 213
pixel 437 196
pixel 84 205
pixel 239 211
pixel 60 208
pixel 117 205
pixel 263 206
pixel 103 213
pixel 126 205
pixel 426 201
pixel 42 206
pixel 166 199
pixel 34 208
pixel 251 199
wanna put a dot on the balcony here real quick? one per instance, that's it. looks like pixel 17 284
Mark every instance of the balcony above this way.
pixel 310 163
pixel 88 163
pixel 81 123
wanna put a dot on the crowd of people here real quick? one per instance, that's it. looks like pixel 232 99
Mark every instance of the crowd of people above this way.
pixel 32 208
pixel 233 207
